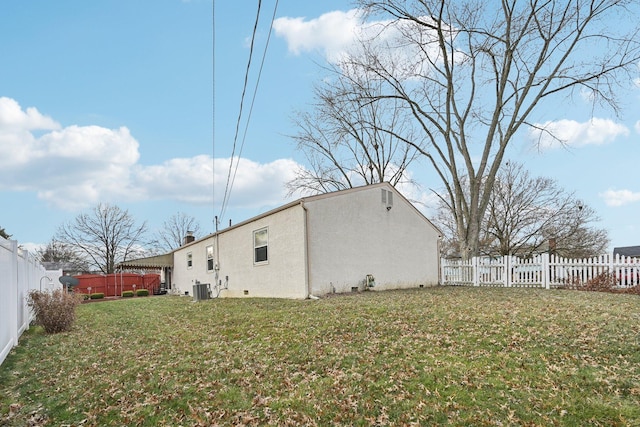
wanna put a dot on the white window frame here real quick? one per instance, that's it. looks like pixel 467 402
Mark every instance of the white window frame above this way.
pixel 209 254
pixel 256 247
pixel 189 260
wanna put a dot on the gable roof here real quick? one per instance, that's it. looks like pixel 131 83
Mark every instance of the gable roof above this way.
pixel 306 199
pixel 633 251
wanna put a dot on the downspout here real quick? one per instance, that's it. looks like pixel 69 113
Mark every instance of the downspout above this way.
pixel 306 251
pixel 439 252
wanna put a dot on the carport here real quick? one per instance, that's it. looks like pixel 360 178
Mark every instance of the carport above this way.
pixel 162 263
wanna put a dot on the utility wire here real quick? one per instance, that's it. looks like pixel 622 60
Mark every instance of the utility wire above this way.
pixel 227 188
pixel 255 92
pixel 213 114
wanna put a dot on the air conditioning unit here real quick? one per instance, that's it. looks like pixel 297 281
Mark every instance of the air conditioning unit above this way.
pixel 201 291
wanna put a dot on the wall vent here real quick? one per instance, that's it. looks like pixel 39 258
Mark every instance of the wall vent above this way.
pixel 387 198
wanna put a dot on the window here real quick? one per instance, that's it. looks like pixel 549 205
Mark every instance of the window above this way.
pixel 210 263
pixel 189 260
pixel 260 244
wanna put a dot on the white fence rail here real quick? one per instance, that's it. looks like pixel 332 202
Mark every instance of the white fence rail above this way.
pixel 543 271
pixel 20 272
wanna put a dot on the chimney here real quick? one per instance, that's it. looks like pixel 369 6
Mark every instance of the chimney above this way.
pixel 188 238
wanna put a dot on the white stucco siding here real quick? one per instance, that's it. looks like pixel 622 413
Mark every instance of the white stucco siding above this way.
pixel 184 277
pixel 283 275
pixel 352 234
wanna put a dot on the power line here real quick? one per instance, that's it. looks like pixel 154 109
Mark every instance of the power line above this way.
pixel 213 113
pixel 255 91
pixel 230 177
pixel 225 199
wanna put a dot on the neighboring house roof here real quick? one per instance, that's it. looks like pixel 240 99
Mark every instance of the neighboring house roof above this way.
pixel 158 261
pixel 633 251
pixel 317 197
pixel 58 265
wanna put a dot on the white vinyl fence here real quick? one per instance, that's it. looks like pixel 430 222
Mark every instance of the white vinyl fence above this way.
pixel 542 271
pixel 20 272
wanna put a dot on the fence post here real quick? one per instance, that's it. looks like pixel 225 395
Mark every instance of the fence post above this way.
pixel 612 270
pixel 546 271
pixel 476 271
pixel 15 293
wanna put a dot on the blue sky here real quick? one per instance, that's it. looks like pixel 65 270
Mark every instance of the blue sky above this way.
pixel 112 101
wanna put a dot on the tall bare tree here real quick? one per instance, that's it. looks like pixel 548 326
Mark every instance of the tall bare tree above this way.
pixel 104 236
pixel 170 236
pixel 342 139
pixel 528 215
pixel 60 252
pixel 476 72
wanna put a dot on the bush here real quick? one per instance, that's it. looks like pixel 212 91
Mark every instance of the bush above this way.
pixel 127 294
pixel 55 311
pixel 97 295
pixel 142 292
pixel 603 282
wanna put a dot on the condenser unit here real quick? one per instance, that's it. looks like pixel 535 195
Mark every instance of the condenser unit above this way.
pixel 201 291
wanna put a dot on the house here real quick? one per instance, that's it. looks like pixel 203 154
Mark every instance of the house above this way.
pixel 368 237
pixel 632 251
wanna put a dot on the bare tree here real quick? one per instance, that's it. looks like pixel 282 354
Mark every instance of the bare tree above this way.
pixel 528 215
pixel 59 252
pixel 170 236
pixel 342 140
pixel 105 236
pixel 477 71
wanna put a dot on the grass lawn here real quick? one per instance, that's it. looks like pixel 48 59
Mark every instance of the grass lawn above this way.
pixel 457 356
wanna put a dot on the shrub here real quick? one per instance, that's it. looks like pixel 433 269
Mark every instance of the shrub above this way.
pixel 97 295
pixel 55 311
pixel 603 282
pixel 142 292
pixel 127 294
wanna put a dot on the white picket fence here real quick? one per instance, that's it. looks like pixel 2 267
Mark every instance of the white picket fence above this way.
pixel 20 272
pixel 542 271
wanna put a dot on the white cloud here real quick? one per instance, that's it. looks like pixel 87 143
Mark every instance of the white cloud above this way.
pixel 190 180
pixel 575 134
pixel 69 167
pixel 587 95
pixel 258 184
pixel 184 179
pixel 619 197
pixel 637 126
pixel 12 117
pixel 77 166
pixel 332 33
pixel 337 34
